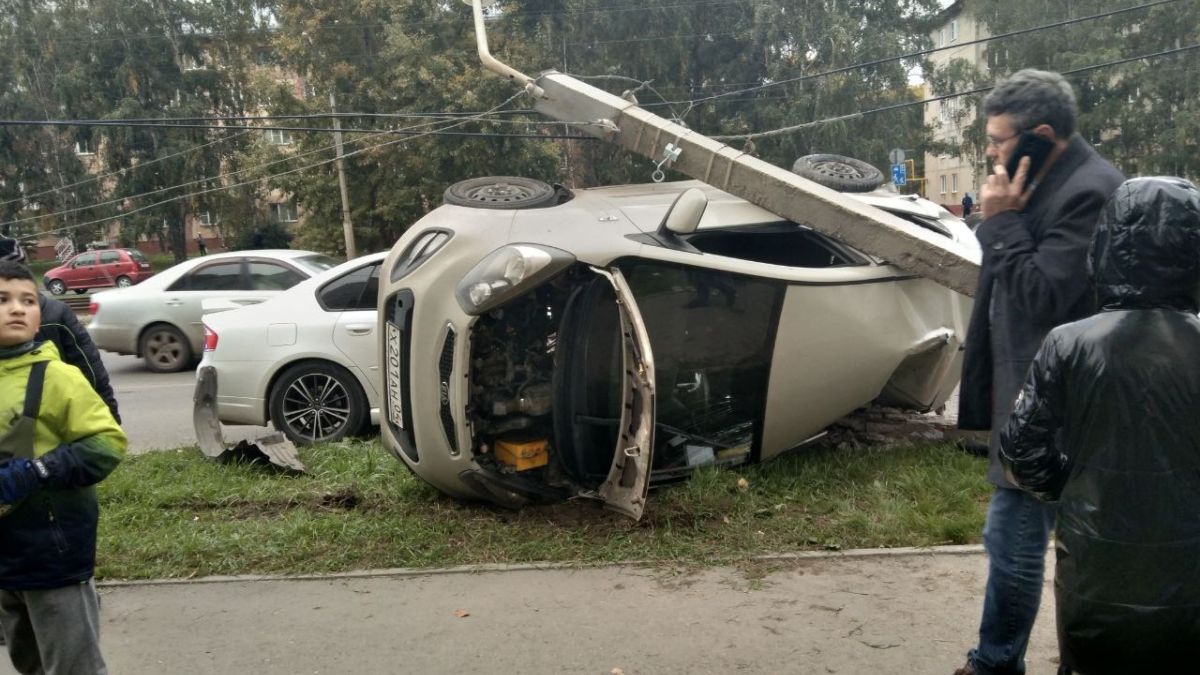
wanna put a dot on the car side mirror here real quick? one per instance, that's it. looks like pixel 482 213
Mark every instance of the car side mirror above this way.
pixel 685 213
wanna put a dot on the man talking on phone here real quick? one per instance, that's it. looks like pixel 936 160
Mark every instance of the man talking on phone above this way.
pixel 1040 208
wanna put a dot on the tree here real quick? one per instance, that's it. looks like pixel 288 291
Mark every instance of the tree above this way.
pixel 1143 115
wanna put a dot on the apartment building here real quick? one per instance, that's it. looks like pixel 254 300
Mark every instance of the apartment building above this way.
pixel 949 177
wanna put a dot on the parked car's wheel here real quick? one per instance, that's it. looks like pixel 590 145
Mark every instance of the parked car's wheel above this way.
pixel 317 402
pixel 838 172
pixel 80 291
pixel 501 192
pixel 57 287
pixel 165 349
pixel 124 281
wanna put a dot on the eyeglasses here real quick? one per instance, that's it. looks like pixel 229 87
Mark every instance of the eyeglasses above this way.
pixel 997 142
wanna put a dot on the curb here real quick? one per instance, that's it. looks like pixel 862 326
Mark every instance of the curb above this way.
pixel 409 572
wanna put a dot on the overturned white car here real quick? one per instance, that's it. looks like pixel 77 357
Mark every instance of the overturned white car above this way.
pixel 539 344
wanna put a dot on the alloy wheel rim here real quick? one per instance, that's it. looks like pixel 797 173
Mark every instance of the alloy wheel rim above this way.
pixel 316 406
pixel 165 349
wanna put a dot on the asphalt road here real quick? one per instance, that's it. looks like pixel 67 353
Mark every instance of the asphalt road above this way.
pixel 156 408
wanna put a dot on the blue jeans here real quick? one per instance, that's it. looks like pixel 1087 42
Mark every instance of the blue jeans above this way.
pixel 1015 536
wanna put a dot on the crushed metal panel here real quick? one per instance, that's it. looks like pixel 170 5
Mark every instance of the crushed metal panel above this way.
pixel 869 229
pixel 273 448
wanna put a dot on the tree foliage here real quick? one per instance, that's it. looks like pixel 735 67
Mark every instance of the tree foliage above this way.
pixel 1143 115
pixel 720 67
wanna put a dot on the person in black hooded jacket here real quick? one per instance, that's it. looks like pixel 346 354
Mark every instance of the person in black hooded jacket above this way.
pixel 60 326
pixel 1106 424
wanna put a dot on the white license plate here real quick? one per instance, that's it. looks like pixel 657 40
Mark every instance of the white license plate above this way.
pixel 395 376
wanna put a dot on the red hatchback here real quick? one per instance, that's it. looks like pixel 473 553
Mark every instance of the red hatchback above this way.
pixel 120 267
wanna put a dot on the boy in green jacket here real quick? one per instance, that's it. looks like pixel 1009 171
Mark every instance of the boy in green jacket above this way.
pixel 57 440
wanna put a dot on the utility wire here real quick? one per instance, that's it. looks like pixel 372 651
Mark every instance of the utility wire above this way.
pixel 855 115
pixel 118 172
pixel 923 52
pixel 207 178
pixel 256 180
pixel 346 130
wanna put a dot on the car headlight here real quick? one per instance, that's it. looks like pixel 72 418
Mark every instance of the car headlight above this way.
pixel 507 273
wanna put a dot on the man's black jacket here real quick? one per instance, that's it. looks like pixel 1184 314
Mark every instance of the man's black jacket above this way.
pixel 1033 277
pixel 75 346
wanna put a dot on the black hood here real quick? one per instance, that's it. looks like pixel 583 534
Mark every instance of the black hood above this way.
pixel 1146 252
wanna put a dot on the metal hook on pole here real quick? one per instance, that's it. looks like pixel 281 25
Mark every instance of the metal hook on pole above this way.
pixel 670 154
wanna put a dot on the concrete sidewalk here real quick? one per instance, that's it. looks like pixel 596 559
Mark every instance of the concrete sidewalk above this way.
pixel 860 612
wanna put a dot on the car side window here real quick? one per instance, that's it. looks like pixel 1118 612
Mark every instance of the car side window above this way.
pixel 225 276
pixel 265 276
pixel 84 260
pixel 358 289
pixel 109 257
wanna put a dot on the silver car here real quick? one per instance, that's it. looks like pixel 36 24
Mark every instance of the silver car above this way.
pixel 159 319
pixel 540 344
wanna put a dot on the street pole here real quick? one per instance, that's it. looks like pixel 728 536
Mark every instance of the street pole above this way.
pixel 347 225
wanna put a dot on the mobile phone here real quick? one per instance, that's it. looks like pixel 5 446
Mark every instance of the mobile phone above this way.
pixel 1036 148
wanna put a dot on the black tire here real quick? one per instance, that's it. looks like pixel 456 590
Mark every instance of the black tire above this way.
pixel 501 192
pixel 838 172
pixel 317 402
pixel 165 349
pixel 124 281
pixel 56 287
pixel 80 291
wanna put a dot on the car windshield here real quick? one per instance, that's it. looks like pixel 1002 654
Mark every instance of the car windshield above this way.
pixel 136 255
pixel 711 333
pixel 316 263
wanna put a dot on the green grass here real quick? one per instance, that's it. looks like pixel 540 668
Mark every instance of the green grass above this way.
pixel 175 514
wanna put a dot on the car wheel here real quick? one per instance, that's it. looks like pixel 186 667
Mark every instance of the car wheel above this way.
pixel 501 192
pixel 57 287
pixel 165 349
pixel 317 402
pixel 838 172
pixel 124 282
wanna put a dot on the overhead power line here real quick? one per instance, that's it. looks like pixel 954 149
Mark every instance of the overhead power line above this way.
pixel 219 127
pixel 257 179
pixel 907 104
pixel 923 52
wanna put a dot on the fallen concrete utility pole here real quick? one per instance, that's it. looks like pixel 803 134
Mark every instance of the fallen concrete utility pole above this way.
pixel 873 231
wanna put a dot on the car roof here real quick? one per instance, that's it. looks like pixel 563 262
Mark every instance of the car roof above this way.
pixel 646 203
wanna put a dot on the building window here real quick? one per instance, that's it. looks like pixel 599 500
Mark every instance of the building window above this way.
pixel 943 185
pixel 83 146
pixel 279 137
pixel 284 212
pixel 205 218
pixel 941 42
pixel 954 30
pixel 954 182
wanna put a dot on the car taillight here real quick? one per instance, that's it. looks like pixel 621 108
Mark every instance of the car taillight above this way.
pixel 210 339
pixel 93 308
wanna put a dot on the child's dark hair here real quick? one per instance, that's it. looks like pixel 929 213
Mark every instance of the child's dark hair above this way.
pixel 15 270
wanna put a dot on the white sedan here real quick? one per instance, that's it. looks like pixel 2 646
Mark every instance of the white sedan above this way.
pixel 159 319
pixel 306 360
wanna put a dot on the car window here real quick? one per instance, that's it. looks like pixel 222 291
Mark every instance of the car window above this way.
pixel 224 276
pixel 712 334
pixel 84 259
pixel 265 276
pixel 108 257
pixel 136 255
pixel 357 289
pixel 784 244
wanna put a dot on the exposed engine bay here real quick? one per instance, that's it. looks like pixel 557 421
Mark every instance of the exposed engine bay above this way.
pixel 513 354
